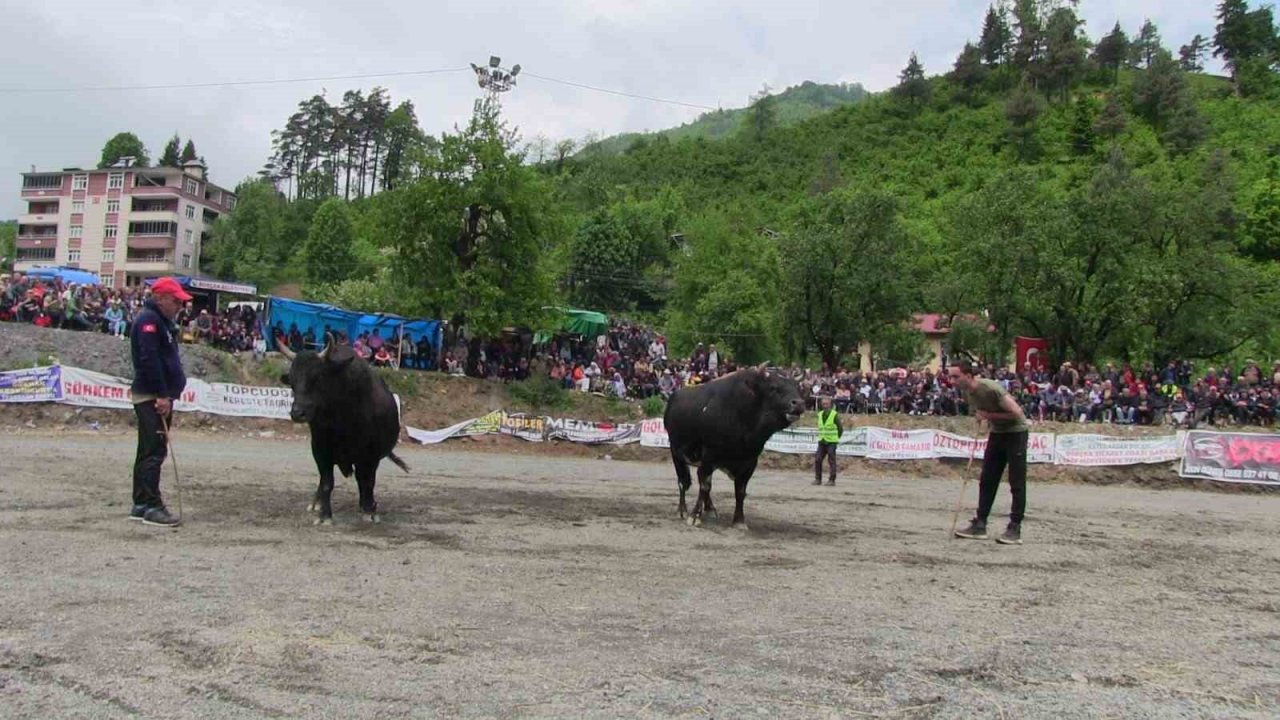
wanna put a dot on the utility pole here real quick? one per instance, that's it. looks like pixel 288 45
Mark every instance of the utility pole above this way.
pixel 494 80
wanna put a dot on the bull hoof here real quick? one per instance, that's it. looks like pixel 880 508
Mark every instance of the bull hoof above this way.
pixel 313 506
pixel 691 521
pixel 322 521
pixel 741 527
pixel 372 518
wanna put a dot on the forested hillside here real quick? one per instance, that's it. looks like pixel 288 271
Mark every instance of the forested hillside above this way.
pixel 1103 193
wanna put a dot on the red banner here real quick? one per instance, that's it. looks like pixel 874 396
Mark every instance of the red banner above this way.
pixel 1032 350
pixel 1232 457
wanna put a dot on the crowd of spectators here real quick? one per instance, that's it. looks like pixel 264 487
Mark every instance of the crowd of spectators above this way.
pixel 380 347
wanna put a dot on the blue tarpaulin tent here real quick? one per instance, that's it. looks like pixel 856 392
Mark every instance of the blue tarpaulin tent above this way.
pixel 67 275
pixel 284 314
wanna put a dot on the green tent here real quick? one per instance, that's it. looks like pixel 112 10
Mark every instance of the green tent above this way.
pixel 587 323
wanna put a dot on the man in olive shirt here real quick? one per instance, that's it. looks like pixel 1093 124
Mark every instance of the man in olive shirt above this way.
pixel 1006 445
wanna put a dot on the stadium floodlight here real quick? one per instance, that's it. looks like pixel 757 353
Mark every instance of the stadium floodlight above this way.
pixel 515 70
pixel 494 61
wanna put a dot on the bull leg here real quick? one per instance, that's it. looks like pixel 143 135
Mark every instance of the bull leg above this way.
pixel 704 492
pixel 683 481
pixel 740 496
pixel 366 476
pixel 324 492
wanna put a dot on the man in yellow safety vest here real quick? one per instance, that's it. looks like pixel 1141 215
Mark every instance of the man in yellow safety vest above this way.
pixel 829 432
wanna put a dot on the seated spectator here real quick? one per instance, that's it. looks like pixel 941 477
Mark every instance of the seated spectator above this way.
pixel 382 357
pixel 115 318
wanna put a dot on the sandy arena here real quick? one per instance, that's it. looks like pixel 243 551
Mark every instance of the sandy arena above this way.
pixel 519 585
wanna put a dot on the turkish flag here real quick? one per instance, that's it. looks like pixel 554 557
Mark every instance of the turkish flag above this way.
pixel 1032 350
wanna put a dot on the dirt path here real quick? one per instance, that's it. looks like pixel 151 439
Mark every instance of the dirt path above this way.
pixel 514 586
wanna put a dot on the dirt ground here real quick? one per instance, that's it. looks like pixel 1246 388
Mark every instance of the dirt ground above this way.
pixel 517 585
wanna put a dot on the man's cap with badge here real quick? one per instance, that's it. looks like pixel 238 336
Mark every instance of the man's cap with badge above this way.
pixel 169 286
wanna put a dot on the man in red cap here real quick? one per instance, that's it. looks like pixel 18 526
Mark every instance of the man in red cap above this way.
pixel 158 380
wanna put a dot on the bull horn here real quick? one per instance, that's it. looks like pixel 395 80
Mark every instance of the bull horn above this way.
pixel 283 348
pixel 329 342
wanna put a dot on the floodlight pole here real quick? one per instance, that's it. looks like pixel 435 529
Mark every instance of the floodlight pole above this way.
pixel 494 79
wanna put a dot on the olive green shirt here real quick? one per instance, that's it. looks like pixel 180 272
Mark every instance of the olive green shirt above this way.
pixel 986 395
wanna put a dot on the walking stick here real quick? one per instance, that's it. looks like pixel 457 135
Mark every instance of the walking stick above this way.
pixel 173 460
pixel 968 472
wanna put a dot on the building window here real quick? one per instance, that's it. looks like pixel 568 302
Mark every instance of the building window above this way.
pixel 113 206
pixel 186 261
pixel 107 279
pixel 109 231
pixel 80 182
pixel 77 231
pixel 115 181
pixel 77 206
pixel 191 212
pixel 30 254
pixel 187 236
pixel 192 187
pixel 42 182
pixel 154 227
pixel 109 255
pixel 231 202
pixel 148 256
pixel 73 256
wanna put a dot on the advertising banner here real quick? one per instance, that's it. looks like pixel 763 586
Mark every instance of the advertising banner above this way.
pixel 592 433
pixel 1097 450
pixel 41 384
pixel 1232 457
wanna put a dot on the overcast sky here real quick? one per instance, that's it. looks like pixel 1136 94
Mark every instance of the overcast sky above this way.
pixel 704 52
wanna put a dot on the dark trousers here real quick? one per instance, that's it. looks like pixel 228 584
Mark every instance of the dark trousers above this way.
pixel 152 450
pixel 1004 449
pixel 828 451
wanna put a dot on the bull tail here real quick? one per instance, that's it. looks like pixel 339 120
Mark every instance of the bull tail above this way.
pixel 393 458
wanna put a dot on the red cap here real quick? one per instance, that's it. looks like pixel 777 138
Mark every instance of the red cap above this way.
pixel 169 286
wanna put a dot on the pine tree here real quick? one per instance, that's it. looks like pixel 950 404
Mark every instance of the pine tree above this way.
pixel 170 158
pixel 189 152
pixel 1111 122
pixel 328 254
pixel 1023 110
pixel 1029 47
pixel 1064 57
pixel 969 72
pixel 1112 51
pixel 1083 134
pixel 1191 56
pixel 1145 46
pixel 996 37
pixel 912 87
pixel 1246 41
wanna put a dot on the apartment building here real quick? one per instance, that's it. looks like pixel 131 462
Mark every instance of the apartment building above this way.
pixel 125 223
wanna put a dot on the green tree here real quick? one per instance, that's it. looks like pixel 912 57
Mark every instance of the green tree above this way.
pixel 725 289
pixel 1112 51
pixel 8 242
pixel 473 237
pixel 1022 111
pixel 762 116
pixel 996 36
pixel 1260 238
pixel 1246 42
pixel 1083 118
pixel 1028 49
pixel 1065 54
pixel 251 244
pixel 170 157
pixel 913 88
pixel 1143 50
pixel 328 255
pixel 1162 98
pixel 1111 122
pixel 848 272
pixel 1191 56
pixel 189 152
pixel 124 144
pixel 405 142
pixel 969 73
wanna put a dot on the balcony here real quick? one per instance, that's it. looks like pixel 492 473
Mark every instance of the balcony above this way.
pixel 150 242
pixel 40 186
pixel 27 243
pixel 149 261
pixel 38 232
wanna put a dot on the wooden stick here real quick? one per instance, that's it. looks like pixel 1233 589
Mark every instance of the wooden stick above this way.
pixel 968 470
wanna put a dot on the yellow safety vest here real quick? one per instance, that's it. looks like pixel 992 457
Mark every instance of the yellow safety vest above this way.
pixel 827 427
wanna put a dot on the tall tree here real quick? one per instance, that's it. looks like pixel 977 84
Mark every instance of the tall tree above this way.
pixel 170 157
pixel 847 267
pixel 1111 122
pixel 1161 96
pixel 1143 50
pixel 913 88
pixel 348 129
pixel 250 244
pixel 1064 55
pixel 969 72
pixel 189 152
pixel 405 140
pixel 762 116
pixel 1112 51
pixel 1246 42
pixel 1083 118
pixel 1260 238
pixel 8 243
pixel 124 144
pixel 329 256
pixel 1022 111
pixel 996 36
pixel 1191 56
pixel 1028 48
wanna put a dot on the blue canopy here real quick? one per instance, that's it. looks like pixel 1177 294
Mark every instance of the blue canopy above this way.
pixel 285 314
pixel 67 275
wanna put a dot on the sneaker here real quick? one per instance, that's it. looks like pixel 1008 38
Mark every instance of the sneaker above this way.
pixel 1012 535
pixel 160 517
pixel 977 530
pixel 137 511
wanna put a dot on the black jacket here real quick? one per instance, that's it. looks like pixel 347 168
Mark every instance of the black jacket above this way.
pixel 157 368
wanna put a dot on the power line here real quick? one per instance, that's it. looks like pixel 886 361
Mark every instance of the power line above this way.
pixel 618 92
pixel 230 83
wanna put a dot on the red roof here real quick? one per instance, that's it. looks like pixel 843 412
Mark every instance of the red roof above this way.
pixel 936 323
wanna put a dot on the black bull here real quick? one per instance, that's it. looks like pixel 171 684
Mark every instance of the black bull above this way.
pixel 724 425
pixel 353 419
